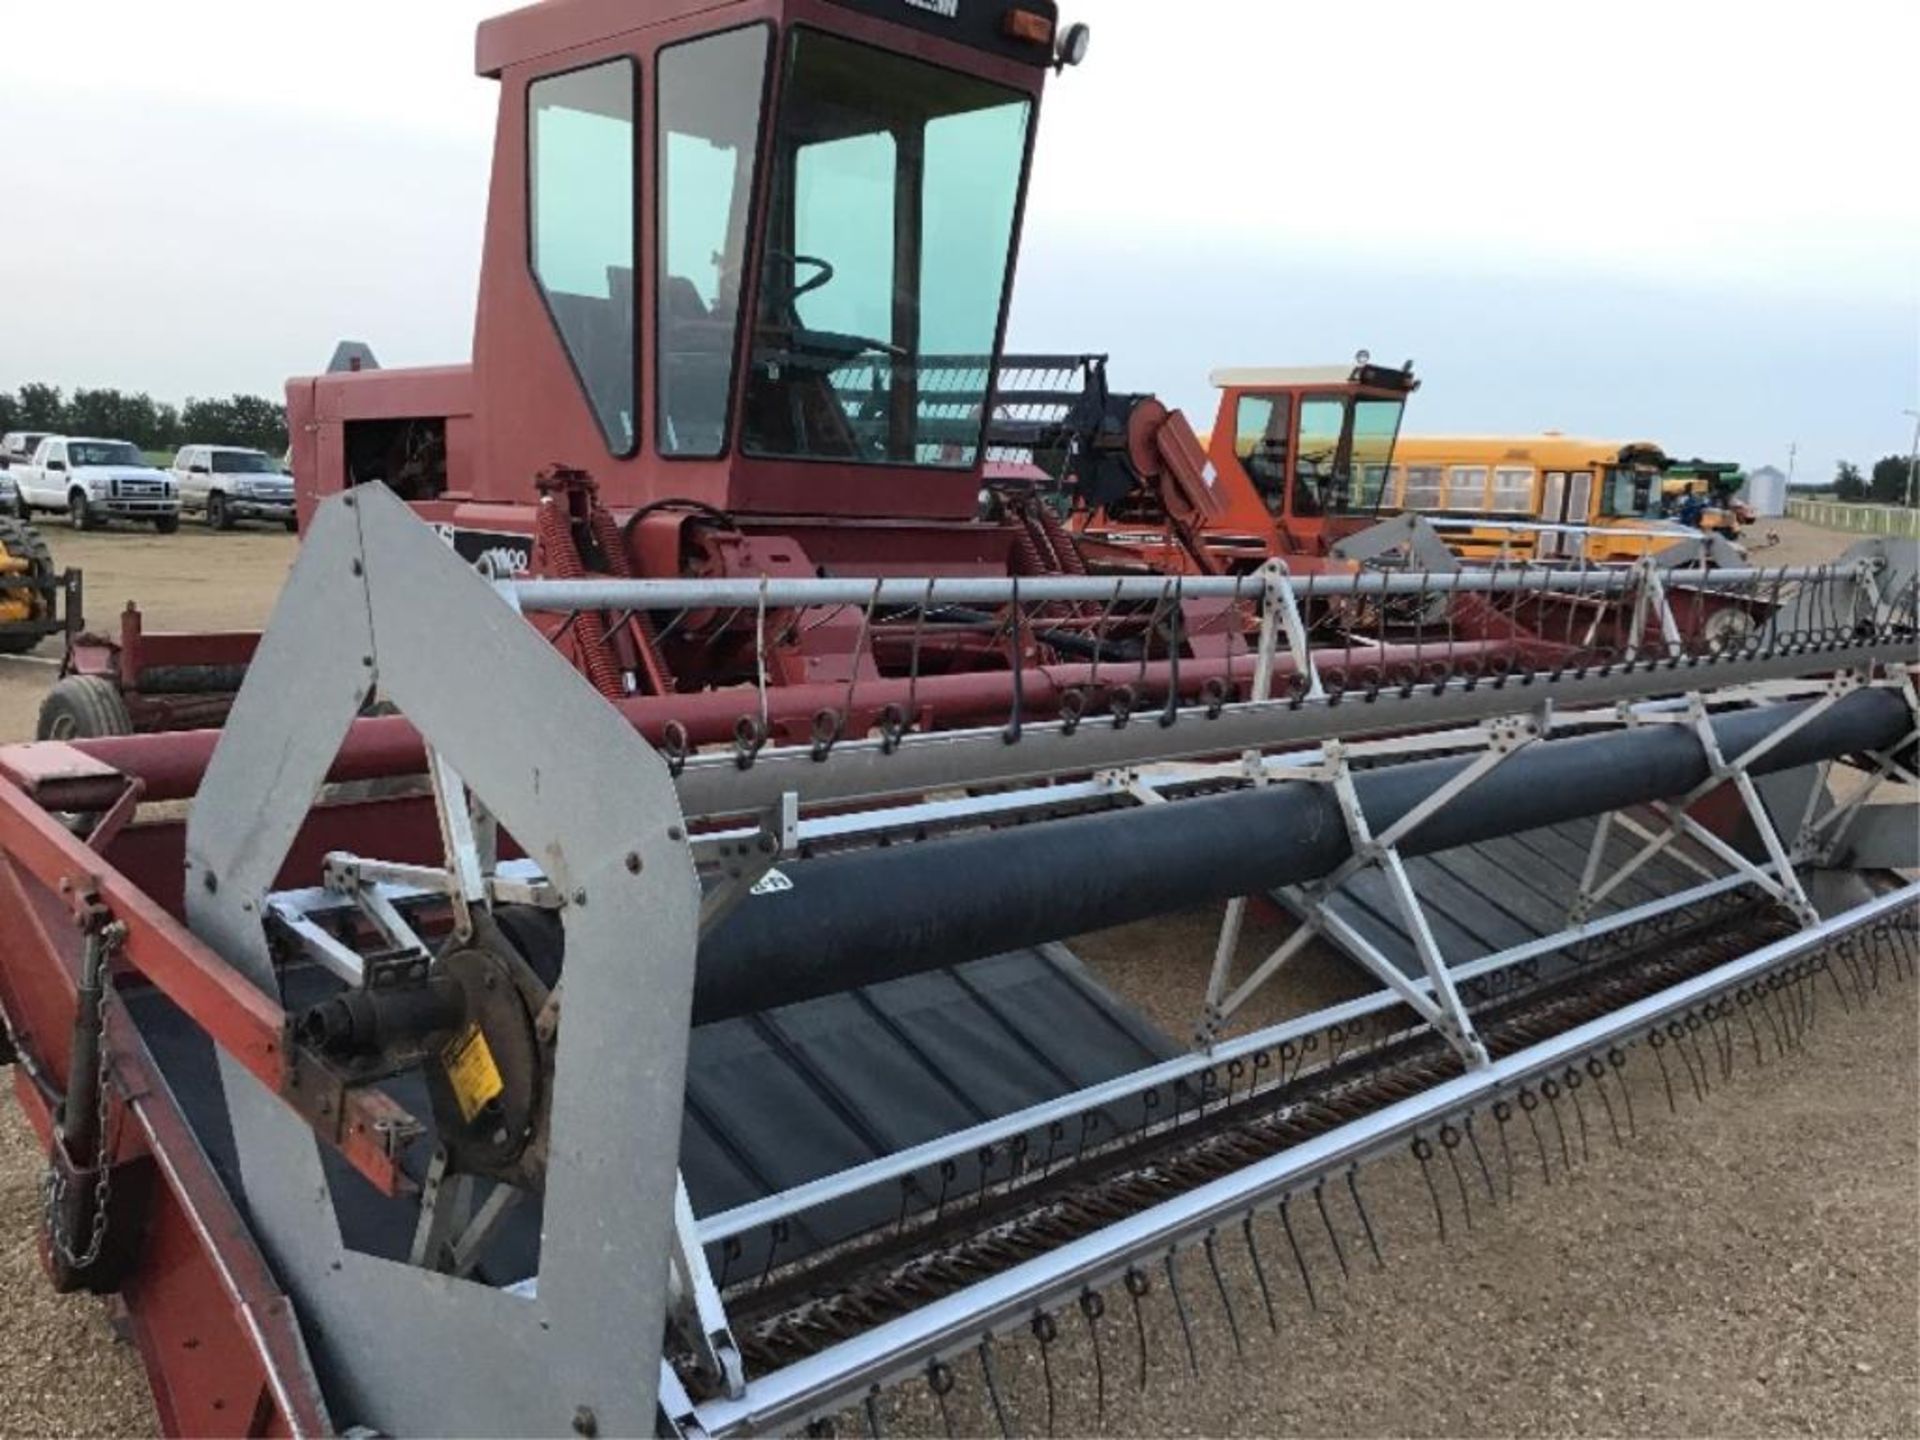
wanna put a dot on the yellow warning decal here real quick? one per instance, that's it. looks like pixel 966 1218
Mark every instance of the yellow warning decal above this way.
pixel 471 1071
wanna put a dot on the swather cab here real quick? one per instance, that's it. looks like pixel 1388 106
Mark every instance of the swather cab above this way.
pixel 748 260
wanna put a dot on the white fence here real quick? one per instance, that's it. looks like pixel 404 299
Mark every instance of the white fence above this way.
pixel 1862 519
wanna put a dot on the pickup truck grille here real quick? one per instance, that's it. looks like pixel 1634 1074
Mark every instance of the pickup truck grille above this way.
pixel 138 489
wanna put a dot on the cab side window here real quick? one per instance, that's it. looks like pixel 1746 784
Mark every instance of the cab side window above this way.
pixel 580 174
pixel 1261 428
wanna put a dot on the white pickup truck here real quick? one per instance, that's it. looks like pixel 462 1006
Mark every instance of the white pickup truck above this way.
pixel 95 481
pixel 226 483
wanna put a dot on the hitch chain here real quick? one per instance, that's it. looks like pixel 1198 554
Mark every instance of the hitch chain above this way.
pixel 107 936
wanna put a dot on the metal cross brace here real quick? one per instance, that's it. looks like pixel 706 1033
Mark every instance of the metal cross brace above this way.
pixel 1280 609
pixel 1650 596
pixel 1812 841
pixel 460 839
pixel 1442 1008
pixel 451 1233
pixel 1783 883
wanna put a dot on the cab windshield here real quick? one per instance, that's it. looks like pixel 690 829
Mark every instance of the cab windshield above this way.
pixel 1344 450
pixel 1632 492
pixel 103 452
pixel 242 462
pixel 892 207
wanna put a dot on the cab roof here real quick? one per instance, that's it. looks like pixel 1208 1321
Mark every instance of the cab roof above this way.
pixel 550 26
pixel 1263 377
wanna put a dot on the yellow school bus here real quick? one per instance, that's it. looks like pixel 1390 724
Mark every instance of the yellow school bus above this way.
pixel 1536 497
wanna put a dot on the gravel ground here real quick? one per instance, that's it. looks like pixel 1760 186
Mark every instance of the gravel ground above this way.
pixel 1748 1267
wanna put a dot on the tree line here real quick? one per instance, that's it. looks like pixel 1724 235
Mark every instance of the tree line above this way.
pixel 250 420
pixel 1886 485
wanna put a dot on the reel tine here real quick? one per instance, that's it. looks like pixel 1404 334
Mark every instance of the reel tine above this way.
pixel 1180 1309
pixel 1211 1246
pixel 1093 1305
pixel 1720 1021
pixel 1320 1203
pixel 1597 1070
pixel 1450 1142
pixel 1045 1332
pixel 1486 1175
pixel 1657 1042
pixel 1550 1088
pixel 1571 1083
pixel 1137 1286
pixel 1299 1260
pixel 1353 1188
pixel 1259 1270
pixel 1502 1113
pixel 1773 1021
pixel 1690 1024
pixel 985 1350
pixel 1617 1062
pixel 1743 1002
pixel 1423 1152
pixel 940 1380
pixel 1529 1102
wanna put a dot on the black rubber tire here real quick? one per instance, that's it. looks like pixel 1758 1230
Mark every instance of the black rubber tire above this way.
pixel 82 707
pixel 217 516
pixel 79 513
pixel 293 525
pixel 21 510
pixel 537 935
pixel 21 541
pixel 166 524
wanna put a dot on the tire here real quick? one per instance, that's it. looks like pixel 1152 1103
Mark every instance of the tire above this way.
pixel 166 524
pixel 21 510
pixel 21 541
pixel 82 707
pixel 292 524
pixel 79 513
pixel 217 516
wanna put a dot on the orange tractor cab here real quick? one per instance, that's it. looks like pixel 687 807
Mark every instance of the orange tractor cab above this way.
pixel 1295 462
pixel 1302 453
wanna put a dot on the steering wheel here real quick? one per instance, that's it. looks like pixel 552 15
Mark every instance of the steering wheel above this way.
pixel 823 274
pixel 833 348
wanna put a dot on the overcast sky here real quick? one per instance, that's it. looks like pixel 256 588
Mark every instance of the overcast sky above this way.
pixel 1697 223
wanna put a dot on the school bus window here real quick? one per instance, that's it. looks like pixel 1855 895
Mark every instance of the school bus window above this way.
pixel 1379 487
pixel 1467 487
pixel 1513 489
pixel 1423 487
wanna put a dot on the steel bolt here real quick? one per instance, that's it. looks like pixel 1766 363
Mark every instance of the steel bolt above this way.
pixel 358 568
pixel 634 863
pixel 674 832
pixel 579 897
pixel 585 1422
